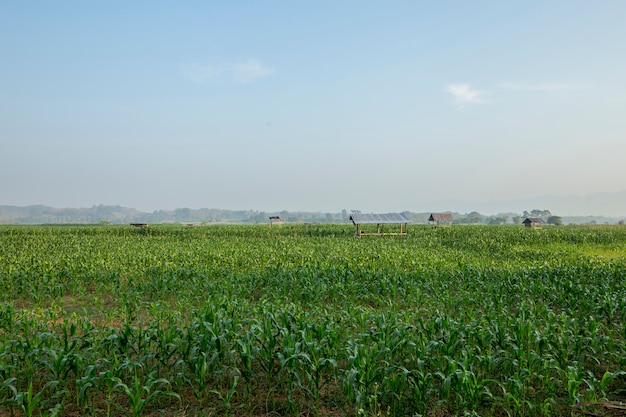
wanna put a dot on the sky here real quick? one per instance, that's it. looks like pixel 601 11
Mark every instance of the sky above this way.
pixel 310 106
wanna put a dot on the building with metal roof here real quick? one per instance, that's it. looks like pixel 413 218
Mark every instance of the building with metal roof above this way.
pixel 379 220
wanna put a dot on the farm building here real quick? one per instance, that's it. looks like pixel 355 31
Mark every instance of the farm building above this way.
pixel 379 220
pixel 533 222
pixel 441 219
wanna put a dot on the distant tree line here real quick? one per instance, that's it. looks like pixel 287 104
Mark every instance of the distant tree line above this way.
pixel 102 214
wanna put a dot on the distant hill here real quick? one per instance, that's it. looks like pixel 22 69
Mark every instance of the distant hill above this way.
pixel 115 215
pixel 40 214
pixel 598 206
pixel 102 214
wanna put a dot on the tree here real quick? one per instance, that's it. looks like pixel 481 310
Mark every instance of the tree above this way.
pixel 497 220
pixel 555 220
pixel 542 214
pixel 474 217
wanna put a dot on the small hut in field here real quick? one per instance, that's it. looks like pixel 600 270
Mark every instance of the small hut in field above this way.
pixel 533 222
pixel 441 219
pixel 373 224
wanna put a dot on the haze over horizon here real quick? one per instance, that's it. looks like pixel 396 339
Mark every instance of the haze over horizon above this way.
pixel 312 107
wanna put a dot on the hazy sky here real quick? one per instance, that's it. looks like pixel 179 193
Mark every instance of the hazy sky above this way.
pixel 313 106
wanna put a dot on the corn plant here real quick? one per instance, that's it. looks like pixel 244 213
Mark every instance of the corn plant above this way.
pixel 143 390
pixel 233 319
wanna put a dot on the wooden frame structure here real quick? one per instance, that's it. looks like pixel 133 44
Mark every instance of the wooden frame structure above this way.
pixel 275 220
pixel 379 220
pixel 441 219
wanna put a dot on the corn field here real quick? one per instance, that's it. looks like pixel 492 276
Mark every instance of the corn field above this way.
pixel 306 320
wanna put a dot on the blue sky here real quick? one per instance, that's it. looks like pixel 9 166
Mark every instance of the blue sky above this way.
pixel 314 106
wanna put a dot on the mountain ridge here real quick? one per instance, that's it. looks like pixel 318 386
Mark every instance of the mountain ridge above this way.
pixel 600 204
pixel 496 211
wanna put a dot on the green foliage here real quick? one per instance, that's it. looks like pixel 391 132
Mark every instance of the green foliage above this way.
pixel 555 220
pixel 307 319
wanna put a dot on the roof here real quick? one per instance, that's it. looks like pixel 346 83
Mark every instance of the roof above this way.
pixel 533 220
pixel 389 218
pixel 441 217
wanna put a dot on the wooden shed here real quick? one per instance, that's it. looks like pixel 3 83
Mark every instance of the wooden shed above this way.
pixel 441 219
pixel 373 224
pixel 533 222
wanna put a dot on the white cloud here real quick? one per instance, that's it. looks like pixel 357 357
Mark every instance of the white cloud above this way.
pixel 236 73
pixel 463 94
pixel 249 71
pixel 540 87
